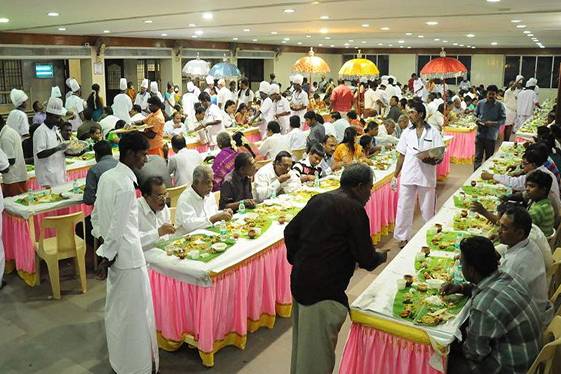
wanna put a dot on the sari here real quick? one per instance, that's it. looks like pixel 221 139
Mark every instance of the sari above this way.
pixel 157 121
pixel 223 164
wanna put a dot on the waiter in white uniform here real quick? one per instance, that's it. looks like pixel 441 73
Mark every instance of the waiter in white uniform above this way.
pixel 129 313
pixel 154 91
pixel 188 102
pixel 526 102
pixel 4 167
pixel 17 119
pixel 282 108
pixel 122 103
pixel 509 102
pixel 418 180
pixel 142 97
pixel 75 104
pixel 266 110
pixel 299 102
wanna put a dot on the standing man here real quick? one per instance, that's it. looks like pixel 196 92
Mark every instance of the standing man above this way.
pixel 411 82
pixel 299 103
pixel 418 180
pixel 129 313
pixel 526 102
pixel 188 102
pixel 510 104
pixel 17 119
pixel 14 181
pixel 4 167
pixel 323 263
pixel 224 94
pixel 282 108
pixel 142 97
pixel 212 122
pixel 341 98
pixel 267 109
pixel 75 104
pixel 122 103
pixel 490 115
pixel 48 148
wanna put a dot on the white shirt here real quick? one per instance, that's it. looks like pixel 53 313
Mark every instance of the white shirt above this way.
pixel 10 143
pixel 432 107
pixel 283 106
pixel 414 171
pixel 329 129
pixel 526 261
pixel 418 87
pixel 17 119
pixel 509 99
pixel 3 165
pixel 369 99
pixel 212 114
pixel 274 144
pixel 436 119
pixel 115 218
pixel 170 130
pixel 464 85
pixel 182 165
pixel 108 123
pixel 142 100
pixel 188 102
pixel 340 126
pixel 266 183
pixel 245 99
pixel 149 222
pixel 296 139
pixel 49 171
pixel 122 105
pixel 381 95
pixel 268 110
pixel 300 98
pixel 526 102
pixel 194 212
pixel 228 120
pixel 168 107
pixel 137 117
pixel 75 104
pixel 393 91
pixel 224 94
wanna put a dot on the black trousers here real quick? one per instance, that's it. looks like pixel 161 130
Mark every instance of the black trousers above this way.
pixel 79 232
pixel 484 148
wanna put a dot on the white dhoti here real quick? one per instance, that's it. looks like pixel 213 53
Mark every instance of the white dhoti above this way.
pixel 510 117
pixel 406 202
pixel 129 322
pixel 520 119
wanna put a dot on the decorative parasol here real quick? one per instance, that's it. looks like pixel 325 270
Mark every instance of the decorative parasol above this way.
pixel 311 64
pixel 225 70
pixel 443 67
pixel 359 68
pixel 196 68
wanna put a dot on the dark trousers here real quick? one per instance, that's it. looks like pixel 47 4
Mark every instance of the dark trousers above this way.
pixel 484 148
pixel 80 233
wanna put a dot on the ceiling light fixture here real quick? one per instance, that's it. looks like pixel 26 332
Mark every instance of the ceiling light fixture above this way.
pixel 473 47
pixel 436 39
pixel 365 25
pixel 385 28
pixel 401 41
pixel 299 43
pixel 332 45
pixel 192 25
pixel 445 41
pixel 286 39
pixel 234 38
pixel 254 40
pixel 246 30
pixel 327 38
pixel 323 30
pixel 515 20
pixel 321 45
pixel 148 21
pixel 315 2
pixel 106 31
pixel 526 31
pixel 400 46
pixel 408 47
pixel 461 45
pixel 199 32
pixel 363 42
pixel 454 43
pixel 380 43
pixel 164 34
pixel 493 1
pixel 283 42
pixel 420 36
pixel 194 36
pixel 207 16
pixel 470 35
pixel 520 26
pixel 289 10
pixel 274 33
pixel 53 14
pixel 324 17
pixel 62 29
pixel 431 23
pixel 390 45
pixel 308 36
pixel 4 20
pixel 351 41
pixel 346 44
pixel 408 33
pixel 494 43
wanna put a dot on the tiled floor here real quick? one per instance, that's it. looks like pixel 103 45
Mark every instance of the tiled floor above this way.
pixel 38 335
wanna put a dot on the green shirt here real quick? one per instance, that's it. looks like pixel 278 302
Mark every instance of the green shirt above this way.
pixel 542 215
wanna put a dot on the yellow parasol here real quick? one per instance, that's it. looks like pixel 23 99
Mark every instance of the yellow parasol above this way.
pixel 359 68
pixel 311 64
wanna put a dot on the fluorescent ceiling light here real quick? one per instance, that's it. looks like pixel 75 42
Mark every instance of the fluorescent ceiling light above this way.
pixel 199 32
pixel 287 39
pixel 408 33
pixel 520 26
pixel 420 36
pixel 274 33
pixel 327 38
pixel 208 15
pixel 234 38
pixel 526 31
pixel 106 31
pixel 53 14
pixel 299 43
pixel 308 36
pixel 192 25
pixel 436 39
pixel 401 41
pixel 321 45
pixel 246 30
pixel 332 45
pixel 324 17
pixel 515 20
pixel 365 25
pixel 4 20
pixel 148 21
pixel 431 23
pixel 385 28
pixel 254 40
pixel 323 30
pixel 289 10
pixel 164 34
pixel 470 35
pixel 494 43
pixel 62 29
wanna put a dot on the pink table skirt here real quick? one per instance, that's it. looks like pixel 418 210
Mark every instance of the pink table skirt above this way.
pixel 18 244
pixel 239 301
pixel 443 169
pixel 381 209
pixel 370 351
pixel 462 147
pixel 70 176
pixel 253 136
pixel 197 146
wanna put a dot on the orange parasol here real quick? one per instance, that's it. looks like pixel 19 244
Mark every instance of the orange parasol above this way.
pixel 443 67
pixel 311 64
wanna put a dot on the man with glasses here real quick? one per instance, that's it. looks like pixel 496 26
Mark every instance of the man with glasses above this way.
pixel 154 219
pixel 491 116
pixel 276 178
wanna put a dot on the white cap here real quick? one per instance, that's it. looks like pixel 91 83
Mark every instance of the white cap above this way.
pixel 55 92
pixel 18 97
pixel 190 86
pixel 519 78
pixel 144 83
pixel 74 86
pixel 297 79
pixel 274 89
pixel 123 84
pixel 153 86
pixel 531 82
pixel 54 106
pixel 264 87
pixel 68 82
pixel 209 79
pixel 221 82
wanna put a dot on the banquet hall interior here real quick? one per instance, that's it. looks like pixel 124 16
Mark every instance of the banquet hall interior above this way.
pixel 478 81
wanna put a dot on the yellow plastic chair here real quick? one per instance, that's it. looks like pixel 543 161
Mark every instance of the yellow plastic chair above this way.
pixel 555 271
pixel 172 215
pixel 555 299
pixel 552 239
pixel 174 193
pixel 66 244
pixel 543 364
pixel 552 331
pixel 260 163
pixel 217 197
pixel 298 154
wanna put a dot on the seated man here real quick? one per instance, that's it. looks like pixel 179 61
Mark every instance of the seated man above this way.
pixel 237 185
pixel 276 177
pixel 296 137
pixel 308 169
pixel 182 164
pixel 329 145
pixel 83 131
pixel 503 332
pixel 196 207
pixel 366 142
pixel 154 219
pixel 95 135
pixel 275 142
pixel 538 185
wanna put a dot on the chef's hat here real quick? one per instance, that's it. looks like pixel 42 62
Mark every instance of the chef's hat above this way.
pixel 144 83
pixel 54 106
pixel 55 92
pixel 519 78
pixel 297 79
pixel 153 86
pixel 123 84
pixel 18 97
pixel 274 89
pixel 531 82
pixel 264 87
pixel 68 82
pixel 209 79
pixel 73 84
pixel 190 86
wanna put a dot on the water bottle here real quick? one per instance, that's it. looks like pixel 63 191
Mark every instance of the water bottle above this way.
pixel 316 181
pixel 29 198
pixel 75 187
pixel 223 230
pixel 241 208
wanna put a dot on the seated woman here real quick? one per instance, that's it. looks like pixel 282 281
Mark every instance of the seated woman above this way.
pixel 224 161
pixel 242 115
pixel 113 137
pixel 243 146
pixel 349 150
pixel 228 114
pixel 96 135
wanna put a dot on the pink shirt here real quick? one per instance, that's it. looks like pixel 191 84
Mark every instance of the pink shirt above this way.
pixel 341 99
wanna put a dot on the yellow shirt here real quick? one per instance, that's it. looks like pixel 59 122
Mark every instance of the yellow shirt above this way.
pixel 344 155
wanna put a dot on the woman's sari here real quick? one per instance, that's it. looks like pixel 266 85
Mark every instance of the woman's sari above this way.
pixel 223 164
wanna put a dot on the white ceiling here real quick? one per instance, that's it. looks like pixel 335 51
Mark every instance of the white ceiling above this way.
pixel 489 22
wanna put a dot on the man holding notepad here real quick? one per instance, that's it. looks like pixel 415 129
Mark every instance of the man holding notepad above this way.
pixel 491 116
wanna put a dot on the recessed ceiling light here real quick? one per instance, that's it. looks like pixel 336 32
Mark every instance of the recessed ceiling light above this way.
pixel 408 33
pixel 535 39
pixel 332 45
pixel 380 43
pixel 445 41
pixel 327 37
pixel 515 20
pixel 148 21
pixel 106 31
pixel 164 34
pixel 461 45
pixel 469 46
pixel 299 43
pixel 283 42
pixel 436 39
pixel 315 2
pixel 390 45
pixel 194 36
pixel 363 42
pixel 62 29
pixel 520 26
pixel 365 25
pixel 234 38
pixel 385 28
pixel 346 44
pixel 4 20
pixel 401 41
pixel 542 46
pixel 246 30
pixel 470 35
pixel 287 39
pixel 308 36
pixel 324 17
pixel 323 30
pixel 208 15
pixel 254 40
pixel 530 35
pixel 420 36
pixel 473 47
pixel 199 32
pixel 53 14
pixel 494 43
pixel 351 41
pixel 493 1
pixel 321 45
pixel 526 31
pixel 289 10
pixel 274 33
pixel 454 43
pixel 400 46
pixel 192 25
pixel 431 23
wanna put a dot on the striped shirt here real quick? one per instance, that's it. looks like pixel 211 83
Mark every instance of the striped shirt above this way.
pixel 542 215
pixel 504 327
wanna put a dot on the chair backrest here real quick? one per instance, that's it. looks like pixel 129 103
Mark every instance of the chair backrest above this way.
pixel 552 239
pixel 260 163
pixel 555 271
pixel 172 215
pixel 65 226
pixel 544 362
pixel 174 193
pixel 298 154
pixel 217 197
pixel 552 331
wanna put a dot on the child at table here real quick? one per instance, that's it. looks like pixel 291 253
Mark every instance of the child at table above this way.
pixel 96 134
pixel 113 137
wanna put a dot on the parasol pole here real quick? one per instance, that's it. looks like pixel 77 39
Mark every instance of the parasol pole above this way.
pixel 558 106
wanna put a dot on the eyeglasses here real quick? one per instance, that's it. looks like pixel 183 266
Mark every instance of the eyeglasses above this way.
pixel 162 197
